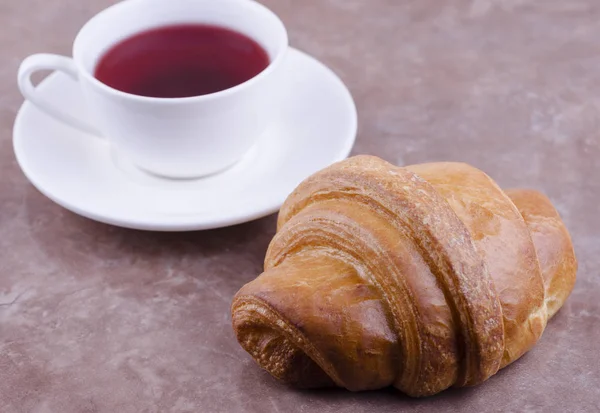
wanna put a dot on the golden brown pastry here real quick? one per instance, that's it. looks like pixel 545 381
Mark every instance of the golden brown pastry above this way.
pixel 422 277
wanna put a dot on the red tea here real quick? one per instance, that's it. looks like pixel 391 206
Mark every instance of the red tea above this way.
pixel 181 61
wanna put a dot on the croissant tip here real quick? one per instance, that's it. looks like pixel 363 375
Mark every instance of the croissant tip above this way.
pixel 272 345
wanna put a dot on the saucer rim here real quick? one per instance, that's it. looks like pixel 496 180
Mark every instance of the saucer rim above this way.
pixel 186 222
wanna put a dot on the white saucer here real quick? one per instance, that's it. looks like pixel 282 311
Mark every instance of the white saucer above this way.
pixel 316 126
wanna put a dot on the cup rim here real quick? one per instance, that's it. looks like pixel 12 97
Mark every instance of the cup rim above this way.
pixel 282 47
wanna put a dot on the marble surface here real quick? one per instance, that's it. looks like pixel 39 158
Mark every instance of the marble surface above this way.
pixel 100 319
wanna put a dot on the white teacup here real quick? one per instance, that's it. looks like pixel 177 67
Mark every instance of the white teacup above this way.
pixel 171 137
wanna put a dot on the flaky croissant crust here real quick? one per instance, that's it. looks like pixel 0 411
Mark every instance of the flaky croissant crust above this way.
pixel 421 277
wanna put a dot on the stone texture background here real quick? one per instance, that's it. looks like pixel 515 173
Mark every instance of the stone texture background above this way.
pixel 100 319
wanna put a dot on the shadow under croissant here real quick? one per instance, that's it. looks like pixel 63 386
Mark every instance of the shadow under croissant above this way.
pixel 336 397
pixel 331 393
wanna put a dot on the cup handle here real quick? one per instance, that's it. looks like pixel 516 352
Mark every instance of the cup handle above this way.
pixel 44 61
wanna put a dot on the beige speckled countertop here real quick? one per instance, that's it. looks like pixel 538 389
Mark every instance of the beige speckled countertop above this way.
pixel 100 319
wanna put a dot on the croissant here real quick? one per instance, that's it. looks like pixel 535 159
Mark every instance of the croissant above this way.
pixel 420 277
